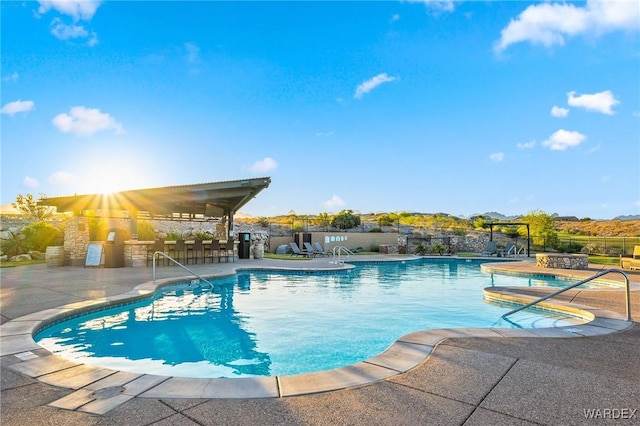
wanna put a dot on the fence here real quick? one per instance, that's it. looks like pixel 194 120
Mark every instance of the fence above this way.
pixel 609 246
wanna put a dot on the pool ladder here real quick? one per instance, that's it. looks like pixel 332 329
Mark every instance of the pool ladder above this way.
pixel 166 256
pixel 337 253
pixel 562 290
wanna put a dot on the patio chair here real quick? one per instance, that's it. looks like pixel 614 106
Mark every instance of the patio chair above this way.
pixel 158 245
pixel 178 251
pixel 196 252
pixel 508 251
pixel 297 252
pixel 309 249
pixel 319 249
pixel 632 262
pixel 491 249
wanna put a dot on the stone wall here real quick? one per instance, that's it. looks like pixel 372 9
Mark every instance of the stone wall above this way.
pixel 76 240
pixel 562 261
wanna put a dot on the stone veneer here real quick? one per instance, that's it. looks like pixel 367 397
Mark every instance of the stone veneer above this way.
pixel 76 240
pixel 562 261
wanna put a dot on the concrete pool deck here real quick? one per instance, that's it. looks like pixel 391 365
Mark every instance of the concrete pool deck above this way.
pixel 490 379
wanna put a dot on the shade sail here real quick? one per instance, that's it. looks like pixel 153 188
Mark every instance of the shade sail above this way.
pixel 213 199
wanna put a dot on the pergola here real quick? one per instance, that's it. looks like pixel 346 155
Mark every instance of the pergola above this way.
pixel 492 224
pixel 183 202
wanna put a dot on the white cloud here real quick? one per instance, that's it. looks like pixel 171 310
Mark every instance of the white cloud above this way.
pixel 324 134
pixel 560 112
pixel 563 139
pixel 526 145
pixel 264 165
pixel 371 84
pixel 193 52
pixel 598 102
pixel 30 182
pixel 63 31
pixel 334 203
pixel 13 77
pixel 437 5
pixel 61 178
pixel 550 23
pixel 86 121
pixel 77 9
pixel 497 156
pixel 17 106
pixel 395 17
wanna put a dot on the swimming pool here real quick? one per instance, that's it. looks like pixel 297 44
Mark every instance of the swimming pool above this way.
pixel 281 323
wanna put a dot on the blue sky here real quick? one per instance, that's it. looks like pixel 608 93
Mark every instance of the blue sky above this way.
pixel 456 107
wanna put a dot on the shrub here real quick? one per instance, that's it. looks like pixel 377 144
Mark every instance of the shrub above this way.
pixel 421 249
pixel 40 235
pixel 376 230
pixel 172 235
pixel 570 247
pixel 264 222
pixel 204 235
pixel 345 220
pixel 146 231
pixel 97 229
pixel 438 248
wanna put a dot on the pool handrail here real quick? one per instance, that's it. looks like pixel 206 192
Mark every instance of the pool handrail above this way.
pixel 593 277
pixel 339 249
pixel 166 256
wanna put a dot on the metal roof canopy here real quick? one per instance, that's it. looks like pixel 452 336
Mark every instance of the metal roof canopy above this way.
pixel 214 199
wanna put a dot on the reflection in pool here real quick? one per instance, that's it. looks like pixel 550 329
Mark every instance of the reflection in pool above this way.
pixel 276 323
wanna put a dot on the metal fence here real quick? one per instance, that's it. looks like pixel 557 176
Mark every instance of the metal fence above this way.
pixel 608 246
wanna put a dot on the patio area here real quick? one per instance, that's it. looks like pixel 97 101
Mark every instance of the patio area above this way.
pixel 469 377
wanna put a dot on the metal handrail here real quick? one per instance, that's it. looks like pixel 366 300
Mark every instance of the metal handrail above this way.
pixel 562 290
pixel 340 249
pixel 165 255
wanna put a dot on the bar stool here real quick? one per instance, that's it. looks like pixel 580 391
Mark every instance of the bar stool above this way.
pixel 178 251
pixel 158 245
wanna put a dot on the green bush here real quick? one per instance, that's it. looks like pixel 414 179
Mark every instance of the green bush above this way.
pixel 40 235
pixel 570 247
pixel 204 235
pixel 97 229
pixel 172 236
pixel 146 231
pixel 376 230
pixel 438 248
pixel 37 236
pixel 421 249
pixel 345 220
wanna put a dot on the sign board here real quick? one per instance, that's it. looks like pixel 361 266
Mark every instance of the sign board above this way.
pixel 94 254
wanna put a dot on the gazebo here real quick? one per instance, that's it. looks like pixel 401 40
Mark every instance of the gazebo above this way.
pixel 196 202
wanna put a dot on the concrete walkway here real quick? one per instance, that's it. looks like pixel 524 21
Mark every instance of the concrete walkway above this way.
pixel 589 378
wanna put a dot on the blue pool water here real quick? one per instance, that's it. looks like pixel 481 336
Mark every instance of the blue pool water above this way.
pixel 281 323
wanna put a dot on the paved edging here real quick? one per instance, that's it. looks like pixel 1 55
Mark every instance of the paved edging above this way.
pixel 99 390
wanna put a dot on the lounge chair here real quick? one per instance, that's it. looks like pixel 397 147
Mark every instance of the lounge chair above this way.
pixel 319 249
pixel 491 249
pixel 297 252
pixel 632 262
pixel 509 250
pixel 309 249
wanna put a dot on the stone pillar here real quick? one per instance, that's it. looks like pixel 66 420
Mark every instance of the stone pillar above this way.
pixel 76 240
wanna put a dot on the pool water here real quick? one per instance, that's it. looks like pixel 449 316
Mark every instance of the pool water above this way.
pixel 281 323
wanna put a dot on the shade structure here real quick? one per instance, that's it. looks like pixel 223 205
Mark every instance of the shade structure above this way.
pixel 213 199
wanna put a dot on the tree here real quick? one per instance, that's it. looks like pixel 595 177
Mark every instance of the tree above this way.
pixel 323 220
pixel 345 220
pixel 387 219
pixel 542 225
pixel 31 209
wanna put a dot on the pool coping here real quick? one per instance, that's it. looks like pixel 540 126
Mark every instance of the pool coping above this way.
pixel 97 390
